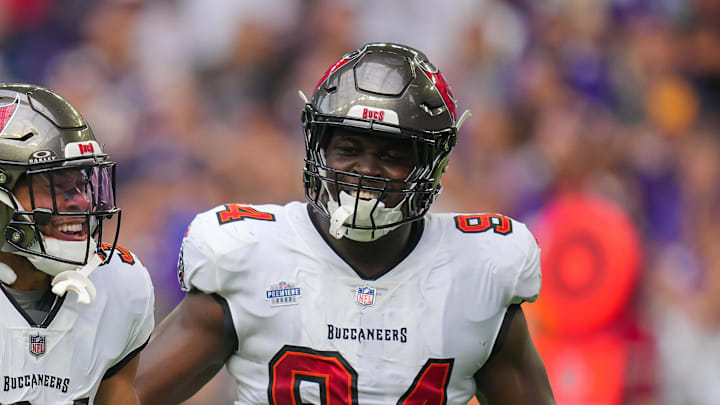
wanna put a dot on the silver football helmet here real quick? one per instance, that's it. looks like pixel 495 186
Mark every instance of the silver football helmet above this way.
pixel 50 159
pixel 381 89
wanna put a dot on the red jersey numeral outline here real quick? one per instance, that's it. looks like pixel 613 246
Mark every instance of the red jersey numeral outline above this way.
pixel 237 212
pixel 482 222
pixel 430 385
pixel 292 364
pixel 125 255
pixel 337 379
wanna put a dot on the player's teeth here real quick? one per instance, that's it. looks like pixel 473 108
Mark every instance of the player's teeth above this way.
pixel 70 228
pixel 365 195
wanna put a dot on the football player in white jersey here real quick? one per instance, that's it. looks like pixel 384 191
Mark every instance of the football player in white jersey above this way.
pixel 74 311
pixel 358 296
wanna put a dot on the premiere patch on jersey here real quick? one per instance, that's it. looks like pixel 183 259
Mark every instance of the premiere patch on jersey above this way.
pixel 283 293
pixel 365 296
pixel 37 345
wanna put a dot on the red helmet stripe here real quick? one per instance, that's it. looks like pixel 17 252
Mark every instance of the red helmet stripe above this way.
pixel 6 113
pixel 444 89
pixel 333 68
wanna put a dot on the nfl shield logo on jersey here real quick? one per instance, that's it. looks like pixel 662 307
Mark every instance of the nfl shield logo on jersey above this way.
pixel 37 345
pixel 365 296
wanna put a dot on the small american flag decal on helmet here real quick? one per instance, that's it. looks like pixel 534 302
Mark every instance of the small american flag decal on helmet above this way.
pixel 87 148
pixel 445 91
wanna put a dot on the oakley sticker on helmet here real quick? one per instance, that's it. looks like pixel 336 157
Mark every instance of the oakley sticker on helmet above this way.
pixel 6 113
pixel 42 156
pixel 87 148
pixel 378 114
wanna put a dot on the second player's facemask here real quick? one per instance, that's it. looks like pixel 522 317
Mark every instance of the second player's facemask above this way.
pixel 58 213
pixel 57 189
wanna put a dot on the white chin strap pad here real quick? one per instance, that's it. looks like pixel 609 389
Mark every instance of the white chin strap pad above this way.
pixel 337 220
pixel 363 216
pixel 78 281
pixel 7 275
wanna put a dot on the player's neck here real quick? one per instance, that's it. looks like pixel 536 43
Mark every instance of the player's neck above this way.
pixel 371 259
pixel 28 277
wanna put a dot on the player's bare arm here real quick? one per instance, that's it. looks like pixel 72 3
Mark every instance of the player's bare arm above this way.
pixel 119 389
pixel 515 374
pixel 188 348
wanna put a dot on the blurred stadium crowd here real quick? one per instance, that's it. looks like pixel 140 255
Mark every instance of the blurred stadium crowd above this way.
pixel 615 102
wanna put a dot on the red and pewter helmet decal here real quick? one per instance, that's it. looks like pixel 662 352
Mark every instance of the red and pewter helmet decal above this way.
pixel 333 68
pixel 337 65
pixel 444 89
pixel 7 111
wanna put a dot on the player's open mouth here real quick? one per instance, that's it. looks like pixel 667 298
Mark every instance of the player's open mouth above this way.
pixel 73 231
pixel 364 194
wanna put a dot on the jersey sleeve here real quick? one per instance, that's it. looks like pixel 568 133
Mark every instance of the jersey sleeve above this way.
pixel 212 254
pixel 138 304
pixel 145 324
pixel 526 286
pixel 501 258
pixel 197 267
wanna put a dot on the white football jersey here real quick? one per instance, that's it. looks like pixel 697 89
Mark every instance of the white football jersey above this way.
pixel 63 360
pixel 311 331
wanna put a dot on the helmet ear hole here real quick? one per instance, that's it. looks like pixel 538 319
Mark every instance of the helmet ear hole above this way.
pixel 4 177
pixel 17 237
pixel 12 234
